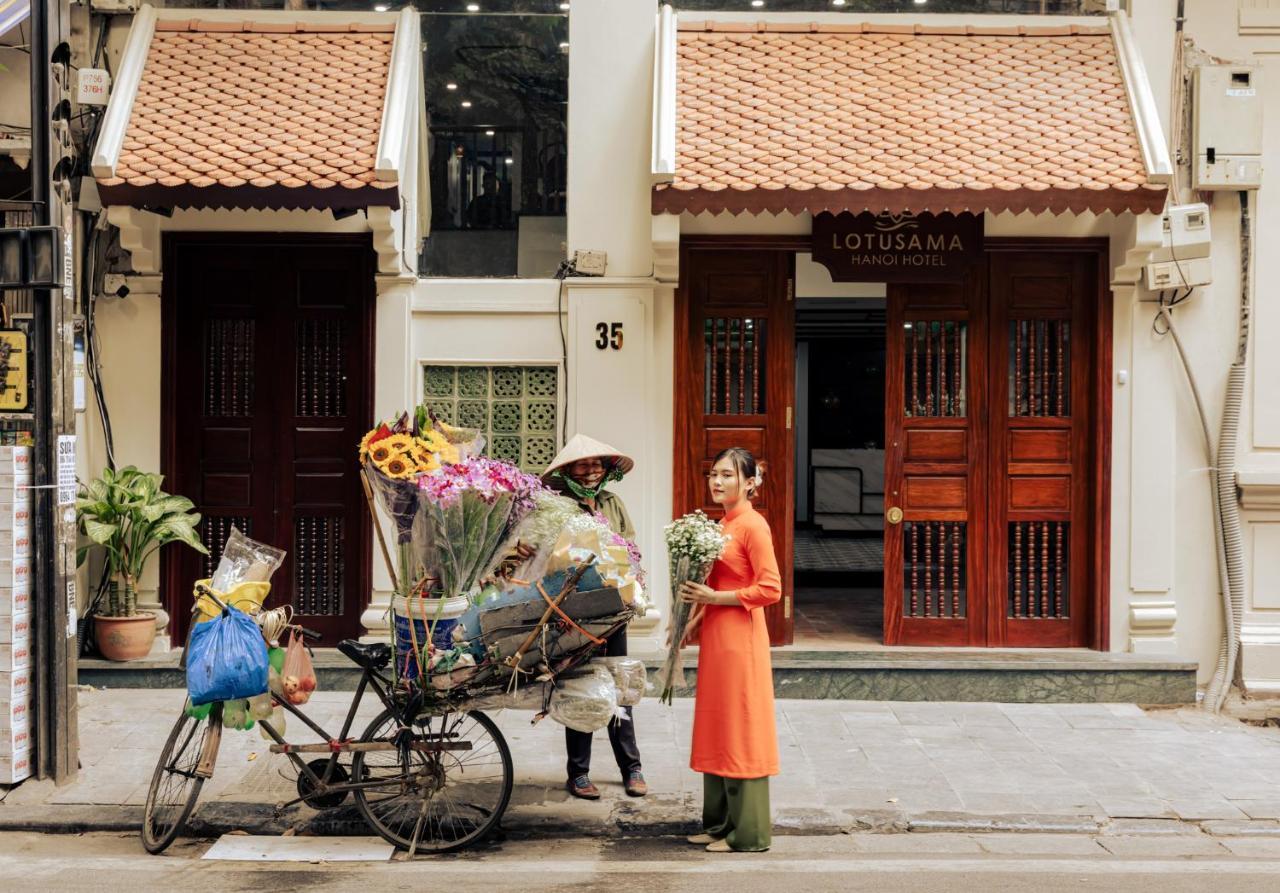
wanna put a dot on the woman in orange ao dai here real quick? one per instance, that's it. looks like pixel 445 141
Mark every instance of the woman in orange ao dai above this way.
pixel 735 737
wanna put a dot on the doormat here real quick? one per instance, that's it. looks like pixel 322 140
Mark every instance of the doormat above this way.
pixel 249 848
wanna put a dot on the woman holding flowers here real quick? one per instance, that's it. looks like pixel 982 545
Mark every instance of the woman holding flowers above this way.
pixel 582 471
pixel 735 741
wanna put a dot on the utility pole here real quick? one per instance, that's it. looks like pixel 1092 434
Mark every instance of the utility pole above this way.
pixel 55 734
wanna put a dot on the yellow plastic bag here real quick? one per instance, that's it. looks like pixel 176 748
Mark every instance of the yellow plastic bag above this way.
pixel 247 597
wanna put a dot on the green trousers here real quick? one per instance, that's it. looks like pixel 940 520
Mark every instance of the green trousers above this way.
pixel 737 809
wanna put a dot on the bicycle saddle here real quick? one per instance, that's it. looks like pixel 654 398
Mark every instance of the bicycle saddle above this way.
pixel 370 656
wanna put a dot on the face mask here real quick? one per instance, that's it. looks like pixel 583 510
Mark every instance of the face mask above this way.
pixel 581 492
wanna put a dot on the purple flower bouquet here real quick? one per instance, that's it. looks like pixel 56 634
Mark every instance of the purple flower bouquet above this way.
pixel 466 513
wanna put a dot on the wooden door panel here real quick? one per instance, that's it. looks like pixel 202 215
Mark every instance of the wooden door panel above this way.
pixel 1042 306
pixel 933 416
pixel 265 412
pixel 735 372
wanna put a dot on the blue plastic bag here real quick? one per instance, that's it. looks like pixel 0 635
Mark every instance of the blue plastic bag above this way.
pixel 228 659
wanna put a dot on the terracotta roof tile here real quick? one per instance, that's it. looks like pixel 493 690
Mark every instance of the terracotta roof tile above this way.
pixel 802 117
pixel 282 110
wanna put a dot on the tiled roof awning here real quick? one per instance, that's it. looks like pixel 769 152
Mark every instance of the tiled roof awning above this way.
pixel 881 118
pixel 253 114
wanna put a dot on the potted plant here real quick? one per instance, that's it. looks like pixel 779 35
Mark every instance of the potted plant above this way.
pixel 127 514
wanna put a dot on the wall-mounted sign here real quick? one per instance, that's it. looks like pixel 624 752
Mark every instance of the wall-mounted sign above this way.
pixel 897 247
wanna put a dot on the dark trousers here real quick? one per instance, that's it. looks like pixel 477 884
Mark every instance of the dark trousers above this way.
pixel 622 734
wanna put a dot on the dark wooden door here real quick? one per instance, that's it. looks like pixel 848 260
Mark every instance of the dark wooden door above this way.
pixel 267 393
pixel 1042 356
pixel 935 476
pixel 991 434
pixel 735 365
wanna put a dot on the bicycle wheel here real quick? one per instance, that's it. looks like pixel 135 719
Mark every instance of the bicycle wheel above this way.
pixel 174 785
pixel 435 801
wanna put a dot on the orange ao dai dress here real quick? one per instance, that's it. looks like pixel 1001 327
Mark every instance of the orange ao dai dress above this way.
pixel 734 730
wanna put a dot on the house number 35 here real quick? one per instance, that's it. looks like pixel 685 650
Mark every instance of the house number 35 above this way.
pixel 609 335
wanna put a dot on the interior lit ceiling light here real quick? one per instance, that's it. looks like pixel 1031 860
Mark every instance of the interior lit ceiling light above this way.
pixel 564 7
pixel 757 3
pixel 473 7
pixel 451 86
pixel 381 7
pixel 921 2
pixel 488 133
pixel 564 45
pixel 466 103
pixel 509 160
pixel 837 2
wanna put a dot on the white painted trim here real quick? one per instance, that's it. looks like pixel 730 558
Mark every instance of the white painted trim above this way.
pixel 662 167
pixel 106 154
pixel 645 282
pixel 1259 489
pixel 402 89
pixel 276 16
pixel 1146 118
pixel 498 301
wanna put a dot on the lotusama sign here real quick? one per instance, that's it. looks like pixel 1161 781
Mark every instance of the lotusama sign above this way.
pixel 897 247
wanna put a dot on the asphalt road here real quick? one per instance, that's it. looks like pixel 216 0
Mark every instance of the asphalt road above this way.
pixel 882 863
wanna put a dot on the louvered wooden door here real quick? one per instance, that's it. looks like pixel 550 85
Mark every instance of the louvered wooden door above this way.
pixel 268 398
pixel 991 518
pixel 734 387
pixel 1042 354
pixel 935 476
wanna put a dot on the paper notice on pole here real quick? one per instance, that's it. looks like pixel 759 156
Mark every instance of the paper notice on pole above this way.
pixel 73 615
pixel 66 469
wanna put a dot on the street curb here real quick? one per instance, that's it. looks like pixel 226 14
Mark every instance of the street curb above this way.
pixel 626 819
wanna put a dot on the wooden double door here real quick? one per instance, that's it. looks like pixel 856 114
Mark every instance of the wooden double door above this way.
pixel 267 392
pixel 996 406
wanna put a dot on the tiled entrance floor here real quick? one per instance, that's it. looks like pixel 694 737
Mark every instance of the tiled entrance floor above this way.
pixel 818 552
pixel 838 618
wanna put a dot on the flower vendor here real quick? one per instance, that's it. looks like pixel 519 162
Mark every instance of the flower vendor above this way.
pixel 735 738
pixel 582 471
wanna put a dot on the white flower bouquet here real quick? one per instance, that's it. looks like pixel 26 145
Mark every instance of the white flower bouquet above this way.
pixel 694 542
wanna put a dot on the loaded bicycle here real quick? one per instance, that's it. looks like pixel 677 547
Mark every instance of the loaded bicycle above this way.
pixel 426 778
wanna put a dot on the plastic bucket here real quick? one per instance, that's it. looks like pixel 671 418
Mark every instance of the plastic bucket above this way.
pixel 422 613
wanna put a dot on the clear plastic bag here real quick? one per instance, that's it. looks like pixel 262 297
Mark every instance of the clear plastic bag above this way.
pixel 298 678
pixel 585 703
pixel 629 675
pixel 245 561
pixel 276 720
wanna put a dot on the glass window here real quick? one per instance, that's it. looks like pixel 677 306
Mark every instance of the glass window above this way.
pixel 515 407
pixel 497 101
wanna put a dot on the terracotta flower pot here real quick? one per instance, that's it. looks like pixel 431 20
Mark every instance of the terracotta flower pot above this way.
pixel 125 638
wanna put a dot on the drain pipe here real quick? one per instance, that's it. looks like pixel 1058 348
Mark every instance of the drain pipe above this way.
pixel 1228 503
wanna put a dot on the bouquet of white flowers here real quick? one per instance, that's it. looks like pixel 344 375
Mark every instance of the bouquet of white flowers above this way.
pixel 694 542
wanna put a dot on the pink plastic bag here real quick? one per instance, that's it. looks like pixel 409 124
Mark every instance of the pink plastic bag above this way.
pixel 298 679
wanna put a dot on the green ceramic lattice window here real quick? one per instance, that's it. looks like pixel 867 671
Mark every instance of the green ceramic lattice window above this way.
pixel 515 407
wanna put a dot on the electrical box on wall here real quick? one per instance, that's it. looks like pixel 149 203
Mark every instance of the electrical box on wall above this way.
pixel 1227 127
pixel 1182 261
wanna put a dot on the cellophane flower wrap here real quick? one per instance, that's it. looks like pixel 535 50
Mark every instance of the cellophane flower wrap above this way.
pixel 694 542
pixel 467 511
pixel 617 559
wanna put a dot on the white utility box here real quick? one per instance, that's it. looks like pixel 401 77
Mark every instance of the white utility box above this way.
pixel 1227 127
pixel 1182 261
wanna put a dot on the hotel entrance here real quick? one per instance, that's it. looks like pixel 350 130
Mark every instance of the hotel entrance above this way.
pixel 933 450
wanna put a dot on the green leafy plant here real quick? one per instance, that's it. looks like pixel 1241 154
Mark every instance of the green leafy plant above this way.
pixel 127 514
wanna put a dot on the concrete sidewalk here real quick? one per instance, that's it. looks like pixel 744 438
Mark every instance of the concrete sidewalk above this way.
pixel 846 765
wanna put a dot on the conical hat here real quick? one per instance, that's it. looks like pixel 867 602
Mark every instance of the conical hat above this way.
pixel 581 446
